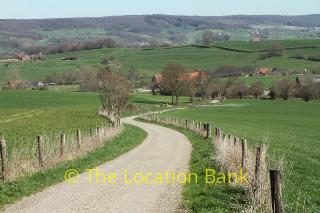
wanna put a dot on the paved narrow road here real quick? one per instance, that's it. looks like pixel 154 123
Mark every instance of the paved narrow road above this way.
pixel 164 150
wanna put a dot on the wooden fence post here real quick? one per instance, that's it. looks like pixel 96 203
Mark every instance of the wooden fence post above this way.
pixel 79 138
pixel 217 140
pixel 40 150
pixel 276 194
pixel 186 124
pixel 91 131
pixel 98 131
pixel 62 144
pixel 244 153
pixel 257 170
pixel 4 160
pixel 208 130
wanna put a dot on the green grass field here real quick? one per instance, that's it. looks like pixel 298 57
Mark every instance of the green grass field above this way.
pixel 26 114
pixel 148 98
pixel 256 46
pixel 151 61
pixel 290 128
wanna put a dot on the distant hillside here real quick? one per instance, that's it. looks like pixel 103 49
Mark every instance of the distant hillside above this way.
pixel 140 30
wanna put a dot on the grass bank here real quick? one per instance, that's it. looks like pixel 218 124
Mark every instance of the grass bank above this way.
pixel 291 129
pixel 28 185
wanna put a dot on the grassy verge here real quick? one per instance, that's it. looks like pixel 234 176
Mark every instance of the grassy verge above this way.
pixel 291 129
pixel 25 186
pixel 202 197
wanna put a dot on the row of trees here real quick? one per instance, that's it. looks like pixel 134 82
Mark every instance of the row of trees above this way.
pixel 286 89
pixel 70 46
pixel 176 81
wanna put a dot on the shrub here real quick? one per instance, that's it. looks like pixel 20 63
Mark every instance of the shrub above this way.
pixel 274 91
pixel 237 90
pixel 285 88
pixel 257 89
pixel 309 91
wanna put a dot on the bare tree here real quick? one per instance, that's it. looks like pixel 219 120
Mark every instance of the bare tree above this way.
pixel 207 37
pixel 190 88
pixel 285 88
pixel 309 91
pixel 257 89
pixel 114 93
pixel 219 89
pixel 133 76
pixel 274 90
pixel 89 79
pixel 237 89
pixel 173 80
pixel 206 88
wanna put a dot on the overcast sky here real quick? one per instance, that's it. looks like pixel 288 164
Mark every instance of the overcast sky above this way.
pixel 97 8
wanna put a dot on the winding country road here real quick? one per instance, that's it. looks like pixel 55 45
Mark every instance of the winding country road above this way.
pixel 162 151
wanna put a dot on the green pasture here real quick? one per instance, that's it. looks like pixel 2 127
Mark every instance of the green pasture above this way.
pixel 26 114
pixel 257 46
pixel 151 61
pixel 148 98
pixel 290 128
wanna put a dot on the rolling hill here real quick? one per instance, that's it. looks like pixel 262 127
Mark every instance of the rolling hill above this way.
pixel 150 61
pixel 16 35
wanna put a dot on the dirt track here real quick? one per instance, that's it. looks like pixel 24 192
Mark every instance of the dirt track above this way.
pixel 163 150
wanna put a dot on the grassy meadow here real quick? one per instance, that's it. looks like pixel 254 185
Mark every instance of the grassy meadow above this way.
pixel 26 114
pixel 148 98
pixel 151 61
pixel 291 129
pixel 258 46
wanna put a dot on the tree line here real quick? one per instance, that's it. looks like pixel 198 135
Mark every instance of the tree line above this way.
pixel 176 81
pixel 69 46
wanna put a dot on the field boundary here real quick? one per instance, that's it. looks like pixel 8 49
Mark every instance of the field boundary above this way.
pixel 46 153
pixel 24 186
pixel 256 51
pixel 233 154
